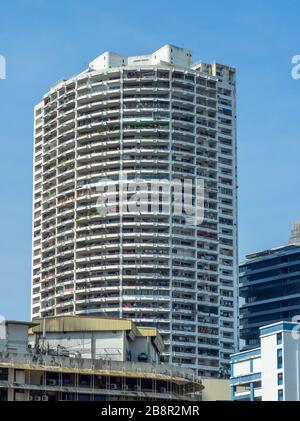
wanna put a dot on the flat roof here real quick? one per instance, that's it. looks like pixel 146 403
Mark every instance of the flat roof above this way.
pixel 22 323
pixel 269 253
pixel 277 327
pixel 81 323
pixel 255 352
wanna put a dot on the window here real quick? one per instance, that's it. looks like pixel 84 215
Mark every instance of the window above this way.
pixel 280 395
pixel 279 338
pixel 279 358
pixel 3 374
pixel 280 379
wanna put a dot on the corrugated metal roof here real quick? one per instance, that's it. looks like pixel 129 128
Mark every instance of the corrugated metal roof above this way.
pixel 95 324
pixel 82 324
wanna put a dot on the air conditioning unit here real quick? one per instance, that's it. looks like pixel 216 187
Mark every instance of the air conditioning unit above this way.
pixel 45 398
pixel 30 397
pixel 37 398
pixel 52 382
pixel 163 390
pixel 113 386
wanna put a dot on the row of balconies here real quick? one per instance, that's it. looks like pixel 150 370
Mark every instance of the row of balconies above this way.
pixel 91 217
pixel 155 74
pixel 180 257
pixel 142 87
pixel 143 105
pixel 66 159
pixel 68 118
pixel 129 270
pixel 88 98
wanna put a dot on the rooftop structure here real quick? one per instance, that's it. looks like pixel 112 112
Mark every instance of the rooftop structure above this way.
pixel 295 233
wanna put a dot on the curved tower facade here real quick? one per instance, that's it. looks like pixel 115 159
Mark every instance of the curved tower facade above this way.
pixel 152 119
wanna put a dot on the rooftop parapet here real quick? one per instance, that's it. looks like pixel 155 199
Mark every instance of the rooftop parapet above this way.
pixel 168 54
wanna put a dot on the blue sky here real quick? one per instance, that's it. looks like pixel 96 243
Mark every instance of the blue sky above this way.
pixel 45 41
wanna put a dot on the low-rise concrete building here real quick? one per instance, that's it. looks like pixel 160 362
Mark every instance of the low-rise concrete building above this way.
pixel 88 358
pixel 96 337
pixel 272 371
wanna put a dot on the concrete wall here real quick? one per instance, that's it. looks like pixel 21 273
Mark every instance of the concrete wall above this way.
pixel 108 60
pixel 291 366
pixel 257 367
pixel 177 56
pixel 244 368
pixel 269 368
pixel 108 345
pixel 89 344
pixel 241 368
pixel 73 342
pixel 143 344
pixel 16 339
pixel 290 369
pixel 216 390
pixel 168 53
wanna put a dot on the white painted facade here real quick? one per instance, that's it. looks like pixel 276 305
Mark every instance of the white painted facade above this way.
pixel 262 374
pixel 153 117
pixel 168 54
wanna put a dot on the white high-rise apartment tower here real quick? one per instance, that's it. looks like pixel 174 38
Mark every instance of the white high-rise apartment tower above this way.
pixel 153 117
